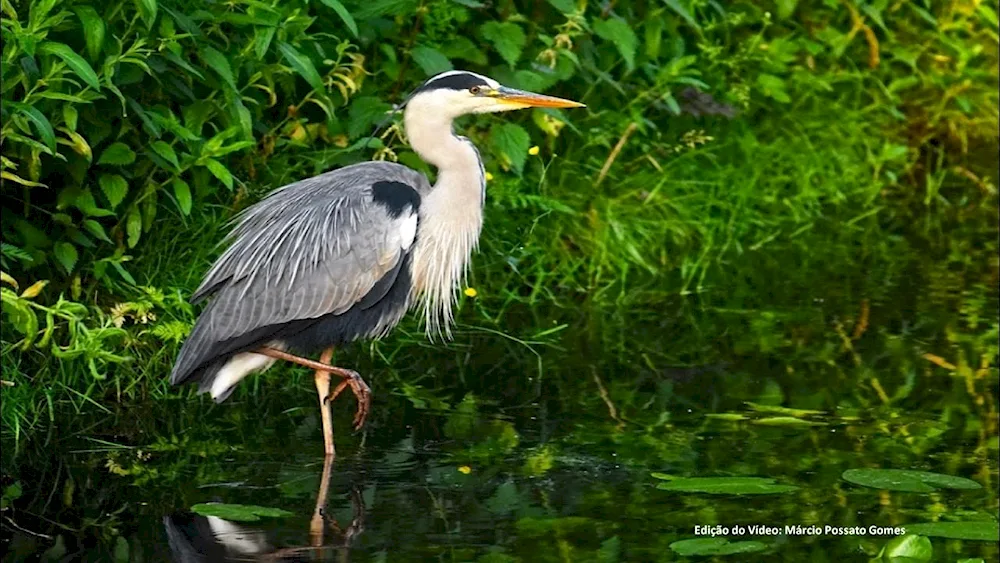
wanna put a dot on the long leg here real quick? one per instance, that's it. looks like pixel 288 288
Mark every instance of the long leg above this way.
pixel 323 391
pixel 316 525
pixel 351 378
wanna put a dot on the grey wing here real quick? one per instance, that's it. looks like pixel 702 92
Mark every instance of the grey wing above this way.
pixel 310 249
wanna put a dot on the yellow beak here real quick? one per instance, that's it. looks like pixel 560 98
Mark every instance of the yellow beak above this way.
pixel 530 99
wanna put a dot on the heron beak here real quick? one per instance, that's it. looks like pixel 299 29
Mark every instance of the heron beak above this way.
pixel 518 99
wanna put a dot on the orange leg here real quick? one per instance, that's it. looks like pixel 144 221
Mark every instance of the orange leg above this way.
pixel 323 390
pixel 323 370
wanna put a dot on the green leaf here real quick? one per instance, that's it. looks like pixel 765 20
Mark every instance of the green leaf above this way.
pixel 115 188
pixel 512 142
pixel 773 87
pixel 117 154
pixel 345 16
pixel 909 548
pixel 74 61
pixel 96 229
pixel 147 11
pixel 302 65
pixel 507 38
pixel 239 512
pixel 182 191
pixel 715 546
pixel 621 35
pixel 217 61
pixel 682 11
pixel 726 486
pixel 463 48
pixel 220 172
pixel 365 112
pixel 564 6
pixel 907 480
pixel 93 29
pixel 133 226
pixel 66 255
pixel 786 421
pixel 41 122
pixel 980 530
pixel 430 60
pixel 121 550
pixel 786 8
pixel 70 116
pixel 166 152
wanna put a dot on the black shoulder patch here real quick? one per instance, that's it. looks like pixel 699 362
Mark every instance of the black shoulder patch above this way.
pixel 395 196
pixel 461 81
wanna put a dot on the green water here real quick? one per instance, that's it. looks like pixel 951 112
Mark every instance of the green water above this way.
pixel 539 472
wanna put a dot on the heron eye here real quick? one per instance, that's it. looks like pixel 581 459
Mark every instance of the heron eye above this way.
pixel 474 90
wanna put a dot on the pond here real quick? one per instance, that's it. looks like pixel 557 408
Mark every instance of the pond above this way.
pixel 530 477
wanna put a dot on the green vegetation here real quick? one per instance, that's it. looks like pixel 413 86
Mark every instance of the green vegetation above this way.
pixel 813 273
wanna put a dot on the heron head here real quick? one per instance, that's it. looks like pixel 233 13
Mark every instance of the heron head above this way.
pixel 458 92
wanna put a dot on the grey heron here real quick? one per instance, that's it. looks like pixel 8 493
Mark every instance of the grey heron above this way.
pixel 344 255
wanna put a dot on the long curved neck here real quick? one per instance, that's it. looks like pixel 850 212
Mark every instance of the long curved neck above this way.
pixel 451 215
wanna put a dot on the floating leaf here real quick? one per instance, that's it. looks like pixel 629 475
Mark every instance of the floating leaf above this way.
pixel 66 255
pixel 906 480
pixel 117 154
pixel 115 188
pixel 980 530
pixel 726 486
pixel 618 32
pixel 729 416
pixel 507 38
pixel 430 60
pixel 74 61
pixel 786 421
pixel 239 512
pixel 302 65
pixel 715 546
pixel 783 410
pixel 910 548
pixel 345 16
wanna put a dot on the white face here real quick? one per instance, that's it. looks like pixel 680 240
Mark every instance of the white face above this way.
pixel 452 103
pixel 455 93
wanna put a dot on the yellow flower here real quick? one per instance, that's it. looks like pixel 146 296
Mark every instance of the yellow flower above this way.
pixel 533 150
pixel 489 176
pixel 471 291
pixel 465 470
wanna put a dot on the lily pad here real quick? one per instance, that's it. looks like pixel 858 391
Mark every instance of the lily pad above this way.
pixel 715 546
pixel 786 421
pixel 980 530
pixel 238 512
pixel 726 486
pixel 906 480
pixel 909 548
pixel 784 410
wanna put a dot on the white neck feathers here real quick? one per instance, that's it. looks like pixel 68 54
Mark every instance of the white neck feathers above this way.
pixel 451 215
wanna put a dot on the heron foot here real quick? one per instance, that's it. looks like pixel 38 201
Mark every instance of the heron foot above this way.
pixel 361 391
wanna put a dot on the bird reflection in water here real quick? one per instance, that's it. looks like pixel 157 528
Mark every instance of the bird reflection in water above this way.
pixel 202 539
